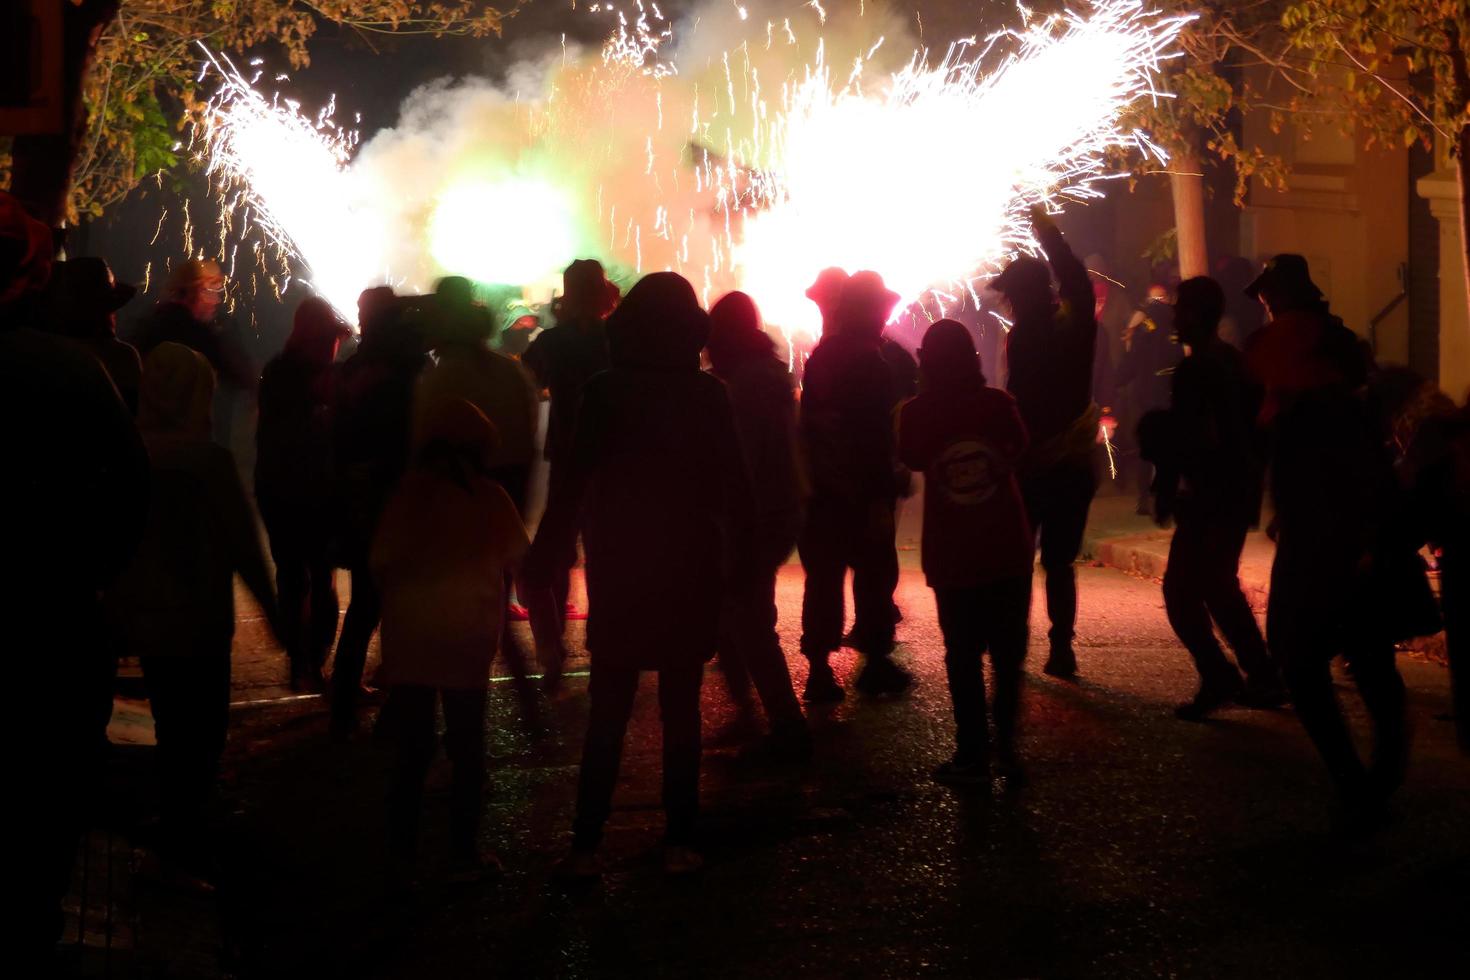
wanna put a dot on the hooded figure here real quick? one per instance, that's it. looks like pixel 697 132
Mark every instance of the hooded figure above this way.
pixel 174 605
pixel 295 482
pixel 743 356
pixel 977 548
pixel 1051 352
pixel 83 300
pixel 847 407
pixel 656 477
pixel 447 541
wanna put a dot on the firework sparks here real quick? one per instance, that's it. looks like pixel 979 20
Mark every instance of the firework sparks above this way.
pixel 924 173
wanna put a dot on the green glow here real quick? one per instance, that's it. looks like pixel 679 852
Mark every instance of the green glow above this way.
pixel 514 231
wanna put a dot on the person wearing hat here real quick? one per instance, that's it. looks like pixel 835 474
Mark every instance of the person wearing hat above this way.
pixel 1346 575
pixel 83 299
pixel 173 607
pixel 465 367
pixel 563 359
pixel 1050 352
pixel 656 482
pixel 1209 479
pixel 444 549
pixel 846 429
pixel 188 314
pixel 966 439
pixel 74 499
pixel 294 483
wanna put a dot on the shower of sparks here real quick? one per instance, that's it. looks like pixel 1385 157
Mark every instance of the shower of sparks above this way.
pixel 924 174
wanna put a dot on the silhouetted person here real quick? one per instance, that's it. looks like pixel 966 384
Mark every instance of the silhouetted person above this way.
pixel 1146 369
pixel 188 314
pixel 82 303
pixel 371 436
pixel 563 359
pixel 656 473
pixel 1243 315
pixel 1343 561
pixel 847 432
pixel 465 367
pixel 516 339
pixel 966 438
pixel 1049 358
pixel 74 498
pixel 1210 474
pixel 174 605
pixel 743 356
pixel 294 484
pixel 447 544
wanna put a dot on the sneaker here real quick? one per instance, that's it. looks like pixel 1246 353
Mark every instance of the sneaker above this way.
pixel 471 868
pixel 1265 695
pixel 519 613
pixel 574 613
pixel 883 676
pixel 1210 698
pixel 958 772
pixel 821 685
pixel 1008 767
pixel 682 860
pixel 578 866
pixel 788 745
pixel 1062 663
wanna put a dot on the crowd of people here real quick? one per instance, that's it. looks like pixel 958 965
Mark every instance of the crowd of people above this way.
pixel 689 464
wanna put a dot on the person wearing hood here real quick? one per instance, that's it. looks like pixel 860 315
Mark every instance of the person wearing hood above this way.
pixel 1346 579
pixel 563 359
pixel 294 483
pixel 846 431
pixel 371 438
pixel 743 356
pixel 465 367
pixel 1050 352
pixel 174 605
pixel 966 438
pixel 445 547
pixel 74 499
pixel 83 300
pixel 656 482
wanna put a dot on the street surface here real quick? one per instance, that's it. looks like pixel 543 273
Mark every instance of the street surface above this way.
pixel 1143 846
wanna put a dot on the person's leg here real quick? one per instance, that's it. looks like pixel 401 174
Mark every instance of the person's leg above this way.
pixel 1186 586
pixel 678 705
pixel 875 580
pixel 1454 602
pixel 411 708
pixel 611 691
pixel 169 701
pixel 1231 611
pixel 764 658
pixel 823 559
pixel 734 633
pixel 363 612
pixel 1376 674
pixel 1069 493
pixel 964 646
pixel 517 661
pixel 464 742
pixel 291 590
pixel 1007 625
pixel 326 608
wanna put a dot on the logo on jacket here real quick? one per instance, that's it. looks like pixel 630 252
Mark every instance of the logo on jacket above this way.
pixel 968 472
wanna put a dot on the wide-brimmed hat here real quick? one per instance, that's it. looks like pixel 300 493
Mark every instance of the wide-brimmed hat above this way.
pixel 826 290
pixel 1284 274
pixel 87 285
pixel 865 293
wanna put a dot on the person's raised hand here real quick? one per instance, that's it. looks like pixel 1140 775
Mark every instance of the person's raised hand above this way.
pixel 1039 217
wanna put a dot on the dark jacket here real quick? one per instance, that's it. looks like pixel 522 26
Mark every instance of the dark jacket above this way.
pixel 765 417
pixel 1049 360
pixel 563 359
pixel 293 461
pixel 1147 366
pixel 1220 459
pixel 847 405
pixel 173 323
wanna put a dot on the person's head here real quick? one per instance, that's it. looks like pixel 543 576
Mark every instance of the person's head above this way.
pixel 865 305
pixel 198 285
pixel 1198 307
pixel 1025 287
pixel 83 298
pixel 317 331
pixel 948 359
pixel 826 292
pixel 587 294
pixel 455 440
pixel 177 392
pixel 658 325
pixel 454 293
pixel 376 307
pixel 1285 286
pixel 26 248
pixel 735 334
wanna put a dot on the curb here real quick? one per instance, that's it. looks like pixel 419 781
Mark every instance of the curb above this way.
pixel 1147 555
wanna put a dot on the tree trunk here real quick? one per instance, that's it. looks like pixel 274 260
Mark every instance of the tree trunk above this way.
pixel 41 164
pixel 1462 169
pixel 1187 182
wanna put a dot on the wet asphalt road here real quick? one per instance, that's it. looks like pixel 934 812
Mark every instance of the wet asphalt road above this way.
pixel 1143 846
